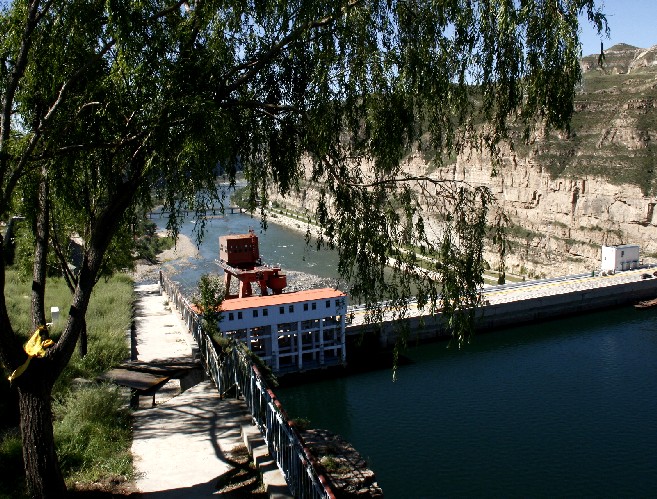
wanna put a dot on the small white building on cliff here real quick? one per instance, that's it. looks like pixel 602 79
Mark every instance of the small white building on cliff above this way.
pixel 617 258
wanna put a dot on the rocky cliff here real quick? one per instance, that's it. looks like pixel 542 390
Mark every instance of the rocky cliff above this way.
pixel 569 193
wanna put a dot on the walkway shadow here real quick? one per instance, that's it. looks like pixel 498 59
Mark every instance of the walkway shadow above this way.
pixel 202 418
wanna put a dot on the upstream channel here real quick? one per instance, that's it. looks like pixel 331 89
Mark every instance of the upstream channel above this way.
pixel 564 408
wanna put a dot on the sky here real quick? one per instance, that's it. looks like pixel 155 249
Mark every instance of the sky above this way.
pixel 630 21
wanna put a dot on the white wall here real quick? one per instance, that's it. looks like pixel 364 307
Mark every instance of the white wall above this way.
pixel 617 258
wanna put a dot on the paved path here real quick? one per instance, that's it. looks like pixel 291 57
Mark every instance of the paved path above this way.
pixel 179 446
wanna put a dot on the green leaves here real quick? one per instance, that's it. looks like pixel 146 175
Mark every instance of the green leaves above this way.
pixel 157 97
pixel 211 294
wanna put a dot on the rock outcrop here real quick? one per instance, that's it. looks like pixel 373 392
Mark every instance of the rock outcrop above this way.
pixel 347 471
pixel 569 193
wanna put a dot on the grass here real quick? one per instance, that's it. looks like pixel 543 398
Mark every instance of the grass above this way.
pixel 93 434
pixel 12 485
pixel 91 422
pixel 607 101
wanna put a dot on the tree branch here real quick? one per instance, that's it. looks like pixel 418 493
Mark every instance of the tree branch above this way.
pixel 169 10
pixel 255 104
pixel 12 84
pixel 261 60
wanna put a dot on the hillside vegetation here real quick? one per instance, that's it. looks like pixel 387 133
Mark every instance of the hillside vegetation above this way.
pixel 615 125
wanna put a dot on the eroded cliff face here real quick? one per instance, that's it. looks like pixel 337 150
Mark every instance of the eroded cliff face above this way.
pixel 558 224
pixel 567 194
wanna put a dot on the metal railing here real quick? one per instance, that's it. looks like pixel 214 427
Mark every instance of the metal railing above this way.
pixel 235 369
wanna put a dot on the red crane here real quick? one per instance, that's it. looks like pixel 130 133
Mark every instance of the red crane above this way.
pixel 239 256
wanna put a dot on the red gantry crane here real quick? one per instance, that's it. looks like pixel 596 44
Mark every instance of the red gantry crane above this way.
pixel 239 256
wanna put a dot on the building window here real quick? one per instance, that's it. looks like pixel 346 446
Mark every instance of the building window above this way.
pixel 314 307
pixel 281 310
pixel 239 315
pixel 337 303
pixel 265 312
pixel 305 307
pixel 231 316
pixel 255 313
pixel 291 308
pixel 328 303
pixel 622 253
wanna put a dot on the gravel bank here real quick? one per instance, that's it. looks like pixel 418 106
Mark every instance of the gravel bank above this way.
pixel 148 272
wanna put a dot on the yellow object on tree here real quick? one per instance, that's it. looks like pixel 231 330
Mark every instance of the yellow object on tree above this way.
pixel 35 347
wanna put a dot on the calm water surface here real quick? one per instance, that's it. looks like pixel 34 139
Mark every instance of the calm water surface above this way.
pixel 566 408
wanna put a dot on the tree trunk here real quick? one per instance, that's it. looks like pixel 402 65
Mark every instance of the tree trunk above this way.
pixel 41 230
pixel 44 478
pixel 82 341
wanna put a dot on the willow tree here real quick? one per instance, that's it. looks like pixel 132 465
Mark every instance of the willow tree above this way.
pixel 106 104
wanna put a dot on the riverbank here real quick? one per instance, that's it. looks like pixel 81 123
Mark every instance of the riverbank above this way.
pixel 183 249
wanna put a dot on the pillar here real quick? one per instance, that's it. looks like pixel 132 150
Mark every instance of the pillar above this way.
pixel 299 347
pixel 274 349
pixel 342 339
pixel 321 341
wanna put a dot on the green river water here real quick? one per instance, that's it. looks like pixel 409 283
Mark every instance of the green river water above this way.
pixel 561 409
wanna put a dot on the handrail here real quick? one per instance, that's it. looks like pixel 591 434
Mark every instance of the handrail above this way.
pixel 234 369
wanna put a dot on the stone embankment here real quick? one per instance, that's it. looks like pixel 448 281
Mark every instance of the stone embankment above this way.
pixel 347 471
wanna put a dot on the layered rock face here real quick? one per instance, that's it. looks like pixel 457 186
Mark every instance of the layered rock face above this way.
pixel 596 186
pixel 567 194
pixel 559 224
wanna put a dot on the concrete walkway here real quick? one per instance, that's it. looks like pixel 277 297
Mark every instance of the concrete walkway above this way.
pixel 179 446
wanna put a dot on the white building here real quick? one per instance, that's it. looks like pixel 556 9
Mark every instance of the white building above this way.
pixel 290 331
pixel 616 258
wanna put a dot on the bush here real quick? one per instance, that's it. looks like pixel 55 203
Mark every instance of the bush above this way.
pixel 148 244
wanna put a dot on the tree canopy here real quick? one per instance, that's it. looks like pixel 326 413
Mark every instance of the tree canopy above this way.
pixel 108 105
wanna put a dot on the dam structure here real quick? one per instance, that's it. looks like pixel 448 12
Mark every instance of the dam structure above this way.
pixel 528 302
pixel 290 332
pixel 305 330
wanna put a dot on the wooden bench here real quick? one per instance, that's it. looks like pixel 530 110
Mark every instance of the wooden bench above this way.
pixel 147 378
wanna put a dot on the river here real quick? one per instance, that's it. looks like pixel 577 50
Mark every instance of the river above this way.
pixel 561 409
pixel 564 408
pixel 278 245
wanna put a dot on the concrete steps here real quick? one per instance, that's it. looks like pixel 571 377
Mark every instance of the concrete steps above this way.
pixel 272 477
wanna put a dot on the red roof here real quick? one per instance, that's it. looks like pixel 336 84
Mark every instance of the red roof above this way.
pixel 282 299
pixel 232 237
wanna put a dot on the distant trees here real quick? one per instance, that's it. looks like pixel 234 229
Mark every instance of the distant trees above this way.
pixel 104 104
